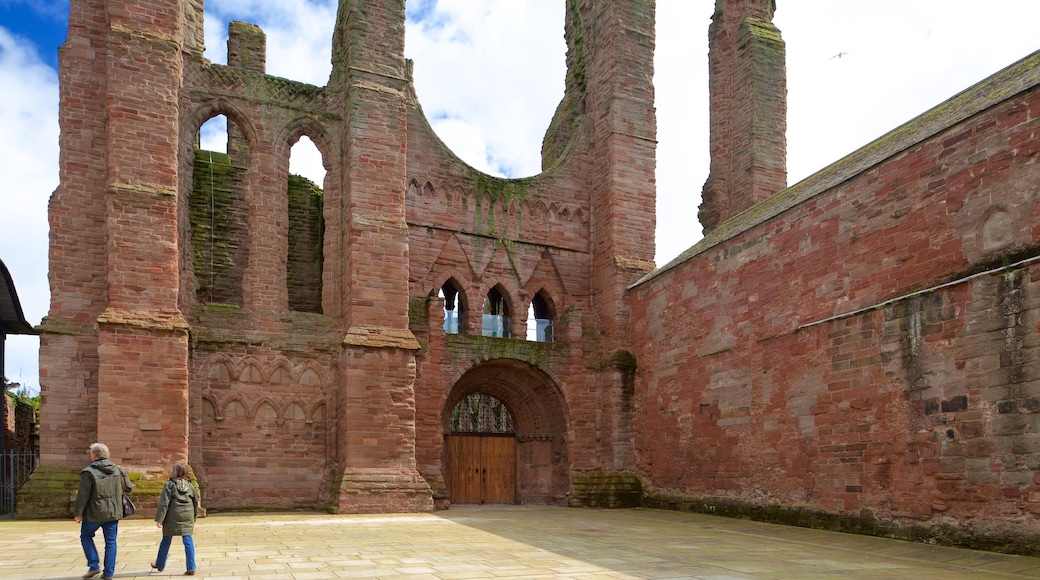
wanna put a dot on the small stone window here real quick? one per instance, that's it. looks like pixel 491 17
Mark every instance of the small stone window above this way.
pixel 454 321
pixel 496 314
pixel 540 319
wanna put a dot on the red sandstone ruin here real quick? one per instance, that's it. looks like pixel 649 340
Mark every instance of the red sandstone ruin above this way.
pixel 857 351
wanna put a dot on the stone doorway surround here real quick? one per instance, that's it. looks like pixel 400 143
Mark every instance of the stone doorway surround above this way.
pixel 538 410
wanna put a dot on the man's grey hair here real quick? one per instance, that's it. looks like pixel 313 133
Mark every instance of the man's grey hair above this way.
pixel 99 450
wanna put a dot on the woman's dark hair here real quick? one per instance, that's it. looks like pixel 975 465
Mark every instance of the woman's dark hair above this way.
pixel 179 471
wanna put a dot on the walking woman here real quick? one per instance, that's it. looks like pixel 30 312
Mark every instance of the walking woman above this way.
pixel 178 508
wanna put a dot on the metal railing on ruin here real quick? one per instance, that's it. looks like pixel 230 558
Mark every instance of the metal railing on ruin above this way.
pixel 15 468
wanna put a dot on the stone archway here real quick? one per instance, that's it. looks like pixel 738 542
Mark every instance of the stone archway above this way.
pixel 540 425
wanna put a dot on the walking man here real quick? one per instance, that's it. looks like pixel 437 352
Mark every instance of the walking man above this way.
pixel 99 504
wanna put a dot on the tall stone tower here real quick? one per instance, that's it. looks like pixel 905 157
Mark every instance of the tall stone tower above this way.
pixel 312 346
pixel 615 88
pixel 748 119
pixel 376 390
pixel 114 346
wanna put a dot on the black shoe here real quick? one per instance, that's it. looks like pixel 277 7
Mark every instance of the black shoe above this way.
pixel 156 568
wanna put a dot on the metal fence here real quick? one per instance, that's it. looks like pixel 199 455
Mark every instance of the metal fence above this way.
pixel 15 468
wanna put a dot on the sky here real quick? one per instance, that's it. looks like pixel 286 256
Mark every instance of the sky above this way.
pixel 489 74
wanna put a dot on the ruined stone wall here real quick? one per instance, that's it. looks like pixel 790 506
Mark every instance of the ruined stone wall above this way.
pixel 861 351
pixel 526 236
pixel 206 310
pixel 578 232
pixel 263 402
pixel 620 98
pixel 267 428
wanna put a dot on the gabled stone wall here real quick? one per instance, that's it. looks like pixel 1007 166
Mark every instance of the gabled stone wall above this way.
pixel 861 350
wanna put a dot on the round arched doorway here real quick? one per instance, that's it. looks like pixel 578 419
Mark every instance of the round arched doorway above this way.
pixel 505 436
pixel 481 452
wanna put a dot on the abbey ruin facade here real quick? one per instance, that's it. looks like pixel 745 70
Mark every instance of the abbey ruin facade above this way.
pixel 857 351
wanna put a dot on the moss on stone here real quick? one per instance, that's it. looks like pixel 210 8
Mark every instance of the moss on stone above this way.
pixel 49 493
pixel 306 233
pixel 419 313
pixel 623 360
pixel 539 354
pixel 1009 542
pixel 606 489
pixel 496 189
pixel 218 228
pixel 558 136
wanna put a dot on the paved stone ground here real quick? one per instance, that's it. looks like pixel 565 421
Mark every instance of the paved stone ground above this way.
pixel 501 542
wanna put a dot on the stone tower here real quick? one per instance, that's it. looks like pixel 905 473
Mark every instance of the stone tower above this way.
pixel 316 353
pixel 748 119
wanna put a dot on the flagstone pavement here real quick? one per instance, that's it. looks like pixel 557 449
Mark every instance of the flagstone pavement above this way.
pixel 515 542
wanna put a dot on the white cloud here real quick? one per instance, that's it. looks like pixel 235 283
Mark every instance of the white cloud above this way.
pixel 28 162
pixel 299 34
pixel 903 59
pixel 492 70
pixel 681 99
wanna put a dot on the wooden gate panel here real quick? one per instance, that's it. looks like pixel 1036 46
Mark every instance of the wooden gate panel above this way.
pixel 481 469
pixel 498 456
pixel 463 477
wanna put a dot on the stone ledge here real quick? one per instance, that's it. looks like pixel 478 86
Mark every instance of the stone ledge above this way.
pixel 380 337
pixel 68 326
pixel 141 189
pixel 144 319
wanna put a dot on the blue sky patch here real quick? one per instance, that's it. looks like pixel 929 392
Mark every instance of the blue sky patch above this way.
pixel 44 23
pixel 424 13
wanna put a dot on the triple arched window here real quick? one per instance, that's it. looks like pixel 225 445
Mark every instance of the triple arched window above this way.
pixel 496 314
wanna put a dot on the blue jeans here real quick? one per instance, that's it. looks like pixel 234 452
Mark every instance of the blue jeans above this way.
pixel 164 551
pixel 86 537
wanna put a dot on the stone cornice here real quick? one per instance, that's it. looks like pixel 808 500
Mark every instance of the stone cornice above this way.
pixel 380 337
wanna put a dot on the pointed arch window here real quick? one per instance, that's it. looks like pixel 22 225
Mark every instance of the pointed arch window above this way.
pixel 218 212
pixel 454 321
pixel 496 314
pixel 305 259
pixel 540 318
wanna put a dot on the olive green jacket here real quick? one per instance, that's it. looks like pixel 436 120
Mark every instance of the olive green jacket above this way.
pixel 100 494
pixel 178 507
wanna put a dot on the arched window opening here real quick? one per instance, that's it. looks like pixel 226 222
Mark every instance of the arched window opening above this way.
pixel 218 135
pixel 218 213
pixel 305 258
pixel 453 308
pixel 305 160
pixel 540 319
pixel 480 413
pixel 496 314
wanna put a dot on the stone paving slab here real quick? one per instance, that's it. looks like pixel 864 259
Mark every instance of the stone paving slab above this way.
pixel 501 542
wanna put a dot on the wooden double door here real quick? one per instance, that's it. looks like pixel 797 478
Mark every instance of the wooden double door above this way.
pixel 481 469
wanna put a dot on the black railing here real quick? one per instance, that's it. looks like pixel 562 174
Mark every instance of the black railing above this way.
pixel 15 468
